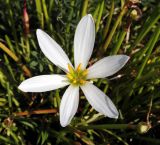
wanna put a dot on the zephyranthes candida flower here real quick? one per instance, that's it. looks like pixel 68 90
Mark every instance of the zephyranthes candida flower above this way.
pixel 78 76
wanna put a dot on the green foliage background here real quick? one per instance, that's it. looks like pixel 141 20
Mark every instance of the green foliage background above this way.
pixel 122 27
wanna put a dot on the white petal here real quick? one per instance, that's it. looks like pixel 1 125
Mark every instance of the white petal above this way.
pixel 52 50
pixel 69 105
pixel 107 66
pixel 43 83
pixel 84 41
pixel 99 101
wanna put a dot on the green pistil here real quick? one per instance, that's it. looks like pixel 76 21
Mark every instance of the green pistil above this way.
pixel 77 76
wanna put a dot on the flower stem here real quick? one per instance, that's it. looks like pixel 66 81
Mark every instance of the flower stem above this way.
pixel 84 8
pixel 119 42
pixel 109 126
pixel 106 28
pixel 109 38
pixel 95 13
pixel 99 15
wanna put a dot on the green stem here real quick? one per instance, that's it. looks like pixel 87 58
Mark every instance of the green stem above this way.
pixel 12 24
pixel 68 27
pixel 109 126
pixel 46 16
pixel 45 11
pixel 9 66
pixel 38 8
pixel 146 49
pixel 9 43
pixel 51 6
pixel 96 12
pixel 84 8
pixel 106 28
pixel 119 42
pixel 108 40
pixel 100 15
pixel 72 3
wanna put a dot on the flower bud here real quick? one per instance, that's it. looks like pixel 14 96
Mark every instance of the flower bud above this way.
pixel 134 14
pixel 143 127
pixel 25 19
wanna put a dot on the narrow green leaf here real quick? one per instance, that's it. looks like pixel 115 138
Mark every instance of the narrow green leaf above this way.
pixel 99 15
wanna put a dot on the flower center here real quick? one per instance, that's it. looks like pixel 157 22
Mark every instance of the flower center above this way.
pixel 77 76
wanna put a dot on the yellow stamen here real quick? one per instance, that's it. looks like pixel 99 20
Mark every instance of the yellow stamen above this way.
pixel 85 72
pixel 71 70
pixel 70 76
pixel 79 67
pixel 82 82
pixel 74 81
pixel 77 76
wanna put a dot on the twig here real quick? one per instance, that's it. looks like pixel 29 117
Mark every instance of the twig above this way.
pixel 149 112
pixel 16 59
pixel 44 111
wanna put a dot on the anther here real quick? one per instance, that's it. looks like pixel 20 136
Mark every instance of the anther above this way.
pixel 74 81
pixel 79 67
pixel 82 82
pixel 85 72
pixel 70 76
pixel 71 70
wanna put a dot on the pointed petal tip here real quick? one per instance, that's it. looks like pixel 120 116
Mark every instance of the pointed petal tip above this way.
pixel 22 88
pixel 115 115
pixel 63 124
pixel 99 101
pixel 126 57
pixel 38 31
pixel 39 34
pixel 89 15
pixel 19 87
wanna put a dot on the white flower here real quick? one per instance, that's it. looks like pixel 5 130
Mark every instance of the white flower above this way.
pixel 78 76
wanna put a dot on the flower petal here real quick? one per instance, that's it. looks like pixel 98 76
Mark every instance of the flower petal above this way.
pixel 52 50
pixel 107 66
pixel 69 105
pixel 99 100
pixel 84 41
pixel 43 83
